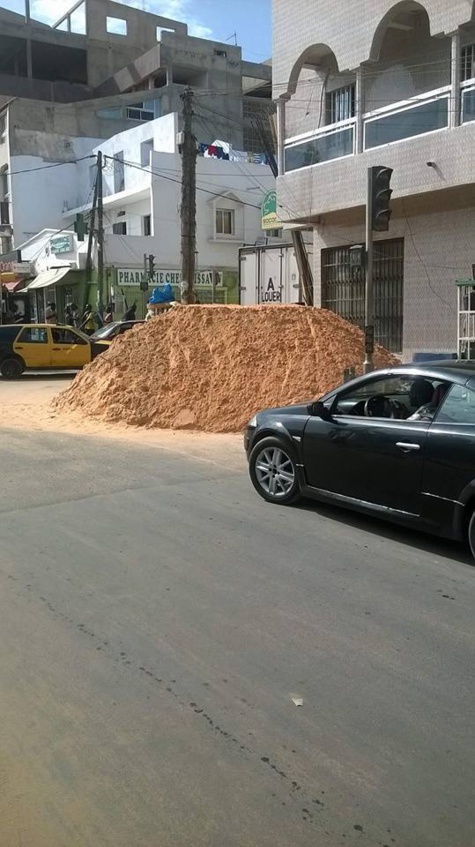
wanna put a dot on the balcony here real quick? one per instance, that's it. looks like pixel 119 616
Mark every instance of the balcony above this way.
pixel 407 119
pixel 330 142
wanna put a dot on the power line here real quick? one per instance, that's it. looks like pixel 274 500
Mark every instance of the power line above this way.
pixel 178 181
pixel 48 167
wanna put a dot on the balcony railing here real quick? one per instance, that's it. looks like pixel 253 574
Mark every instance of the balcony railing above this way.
pixel 407 119
pixel 425 113
pixel 330 142
pixel 468 101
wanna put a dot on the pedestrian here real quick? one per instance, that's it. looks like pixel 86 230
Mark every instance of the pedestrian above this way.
pixel 51 316
pixel 88 323
pixel 68 316
pixel 76 318
pixel 130 314
pixel 109 313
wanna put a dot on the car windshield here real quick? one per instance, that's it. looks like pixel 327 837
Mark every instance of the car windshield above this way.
pixel 105 330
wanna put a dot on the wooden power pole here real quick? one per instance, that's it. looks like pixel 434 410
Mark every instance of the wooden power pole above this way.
pixel 100 236
pixel 188 199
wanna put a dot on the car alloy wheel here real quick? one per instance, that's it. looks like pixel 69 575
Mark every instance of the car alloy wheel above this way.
pixel 273 472
pixel 471 534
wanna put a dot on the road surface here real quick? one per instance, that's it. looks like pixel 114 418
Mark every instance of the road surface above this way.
pixel 157 622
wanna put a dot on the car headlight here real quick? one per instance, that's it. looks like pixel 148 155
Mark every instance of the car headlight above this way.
pixel 253 422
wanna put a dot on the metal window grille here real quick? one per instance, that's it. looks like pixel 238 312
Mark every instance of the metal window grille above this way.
pixel 468 62
pixel 343 289
pixel 341 104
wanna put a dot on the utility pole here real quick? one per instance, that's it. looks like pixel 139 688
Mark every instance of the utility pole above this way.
pixel 100 235
pixel 188 199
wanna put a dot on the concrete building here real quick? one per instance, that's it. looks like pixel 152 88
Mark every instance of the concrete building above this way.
pixel 103 68
pixel 142 197
pixel 378 82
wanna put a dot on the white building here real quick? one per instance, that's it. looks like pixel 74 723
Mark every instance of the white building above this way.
pixel 142 196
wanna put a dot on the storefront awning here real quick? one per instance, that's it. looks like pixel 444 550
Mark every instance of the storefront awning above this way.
pixel 47 278
pixel 13 286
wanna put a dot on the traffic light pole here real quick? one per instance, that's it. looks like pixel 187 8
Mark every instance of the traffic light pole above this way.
pixel 369 290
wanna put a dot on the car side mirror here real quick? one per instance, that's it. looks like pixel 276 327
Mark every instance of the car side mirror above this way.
pixel 319 410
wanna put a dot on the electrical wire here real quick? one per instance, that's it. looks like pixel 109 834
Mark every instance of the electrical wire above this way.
pixel 48 167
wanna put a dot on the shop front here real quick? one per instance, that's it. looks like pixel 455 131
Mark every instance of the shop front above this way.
pixel 211 286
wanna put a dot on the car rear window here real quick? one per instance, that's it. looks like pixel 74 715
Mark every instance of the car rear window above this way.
pixel 8 334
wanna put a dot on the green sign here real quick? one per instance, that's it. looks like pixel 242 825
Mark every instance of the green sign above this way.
pixel 270 218
pixel 61 244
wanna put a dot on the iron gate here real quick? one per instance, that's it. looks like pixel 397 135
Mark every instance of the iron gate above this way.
pixel 343 289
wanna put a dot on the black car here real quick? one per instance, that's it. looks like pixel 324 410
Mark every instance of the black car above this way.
pixel 399 443
pixel 112 330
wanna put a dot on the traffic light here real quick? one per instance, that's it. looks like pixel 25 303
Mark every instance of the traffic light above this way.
pixel 151 266
pixel 80 227
pixel 380 198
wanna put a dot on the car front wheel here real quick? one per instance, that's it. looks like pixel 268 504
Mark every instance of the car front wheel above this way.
pixel 12 368
pixel 471 534
pixel 272 468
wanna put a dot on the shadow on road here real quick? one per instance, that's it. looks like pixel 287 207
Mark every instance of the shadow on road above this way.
pixel 40 376
pixel 403 535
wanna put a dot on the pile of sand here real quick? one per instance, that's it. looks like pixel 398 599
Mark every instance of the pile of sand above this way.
pixel 211 367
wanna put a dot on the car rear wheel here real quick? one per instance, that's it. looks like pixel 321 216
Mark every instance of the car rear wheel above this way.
pixel 471 533
pixel 272 468
pixel 12 368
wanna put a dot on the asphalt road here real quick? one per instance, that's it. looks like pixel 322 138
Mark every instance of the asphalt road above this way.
pixel 156 620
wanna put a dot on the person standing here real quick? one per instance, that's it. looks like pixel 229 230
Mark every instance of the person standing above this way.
pixel 68 316
pixel 109 313
pixel 88 323
pixel 130 314
pixel 51 316
pixel 75 315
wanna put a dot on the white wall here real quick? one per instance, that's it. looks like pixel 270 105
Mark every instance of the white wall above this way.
pixel 220 184
pixel 39 197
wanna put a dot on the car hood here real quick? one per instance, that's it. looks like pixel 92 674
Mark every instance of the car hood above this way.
pixel 295 409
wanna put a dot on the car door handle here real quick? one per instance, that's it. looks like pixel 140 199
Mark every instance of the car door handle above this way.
pixel 56 349
pixel 406 447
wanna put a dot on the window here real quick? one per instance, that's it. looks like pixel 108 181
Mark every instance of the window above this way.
pixel 33 335
pixel 273 233
pixel 468 62
pixel 221 53
pixel 147 224
pixel 459 406
pixel 66 336
pixel 396 397
pixel 146 148
pixel 119 172
pixel 341 104
pixel 343 289
pixel 116 26
pixel 224 222
pixel 3 183
pixel 119 228
pixel 138 112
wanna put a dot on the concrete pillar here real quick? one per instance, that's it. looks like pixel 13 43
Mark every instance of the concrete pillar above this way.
pixel 455 80
pixel 281 134
pixel 360 109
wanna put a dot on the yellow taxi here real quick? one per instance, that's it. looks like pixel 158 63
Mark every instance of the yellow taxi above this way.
pixel 45 346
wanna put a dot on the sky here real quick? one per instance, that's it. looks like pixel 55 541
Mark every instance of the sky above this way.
pixel 217 19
